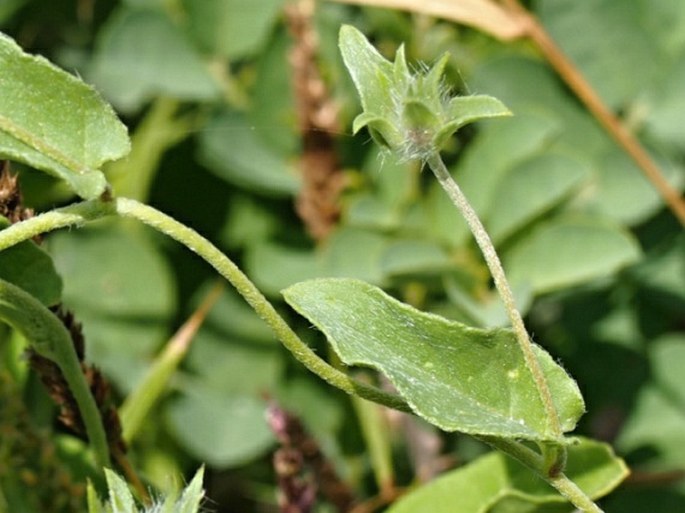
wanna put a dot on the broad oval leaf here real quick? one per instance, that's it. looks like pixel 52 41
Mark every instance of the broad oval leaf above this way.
pixel 568 251
pixel 504 485
pixel 221 429
pixel 454 376
pixel 52 121
pixel 140 54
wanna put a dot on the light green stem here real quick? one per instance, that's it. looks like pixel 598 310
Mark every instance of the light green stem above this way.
pixel 80 213
pixel 539 463
pixel 574 494
pixel 50 339
pixel 492 260
pixel 301 351
pixel 535 462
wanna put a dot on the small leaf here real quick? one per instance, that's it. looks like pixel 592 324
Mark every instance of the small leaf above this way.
pixel 530 188
pixel 232 28
pixel 94 503
pixel 496 483
pixel 141 53
pixel 52 121
pixel 570 251
pixel 463 110
pixel 371 73
pixel 123 291
pixel 192 495
pixel 456 377
pixel 120 498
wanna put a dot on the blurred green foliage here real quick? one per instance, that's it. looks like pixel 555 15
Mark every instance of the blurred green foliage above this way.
pixel 597 262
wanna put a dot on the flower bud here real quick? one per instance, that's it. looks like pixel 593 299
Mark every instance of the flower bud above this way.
pixel 408 113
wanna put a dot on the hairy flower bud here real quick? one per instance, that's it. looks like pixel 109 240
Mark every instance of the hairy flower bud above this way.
pixel 408 113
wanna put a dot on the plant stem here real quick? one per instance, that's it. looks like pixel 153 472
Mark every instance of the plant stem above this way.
pixel 574 494
pixel 78 214
pixel 51 339
pixel 501 284
pixel 534 461
pixel 301 351
pixel 72 215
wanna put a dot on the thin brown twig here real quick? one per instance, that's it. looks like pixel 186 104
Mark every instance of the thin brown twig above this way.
pixel 584 91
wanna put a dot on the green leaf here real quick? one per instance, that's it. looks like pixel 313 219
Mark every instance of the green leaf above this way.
pixel 667 105
pixel 463 110
pixel 663 400
pixel 349 252
pixel 120 498
pixel 94 504
pixel 29 267
pixel 456 377
pixel 566 252
pixel 620 189
pixel 497 484
pixel 123 292
pixel 52 121
pixel 220 428
pixel 531 188
pixel 232 28
pixel 496 151
pixel 371 72
pixel 610 28
pixel 230 149
pixel 140 54
pixel 273 109
pixel 192 495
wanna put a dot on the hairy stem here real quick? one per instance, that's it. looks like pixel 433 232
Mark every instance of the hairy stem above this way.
pixel 574 494
pixel 78 214
pixel 50 339
pixel 492 260
pixel 535 462
pixel 301 351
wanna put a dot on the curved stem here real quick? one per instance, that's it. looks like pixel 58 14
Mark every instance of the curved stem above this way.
pixel 50 338
pixel 80 213
pixel 72 215
pixel 492 260
pixel 301 351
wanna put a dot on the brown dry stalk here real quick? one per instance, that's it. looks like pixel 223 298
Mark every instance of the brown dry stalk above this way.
pixel 322 179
